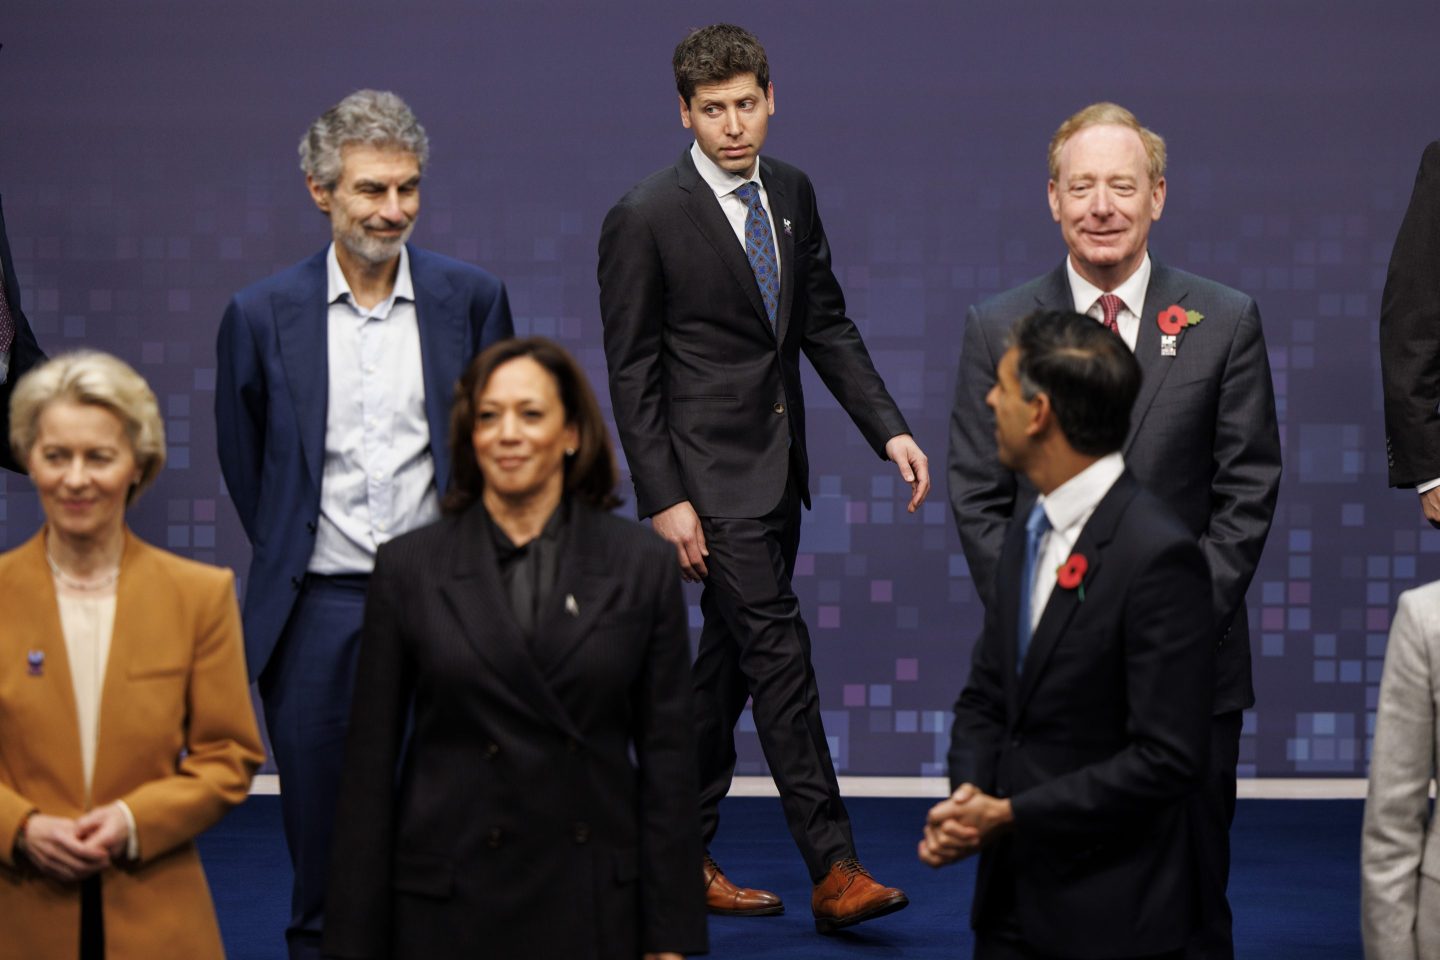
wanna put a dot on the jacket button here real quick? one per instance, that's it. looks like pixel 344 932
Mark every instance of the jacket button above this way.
pixel 582 833
pixel 495 836
pixel 491 749
pixel 778 408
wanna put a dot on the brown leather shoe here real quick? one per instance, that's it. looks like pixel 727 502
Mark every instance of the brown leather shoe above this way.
pixel 724 898
pixel 849 895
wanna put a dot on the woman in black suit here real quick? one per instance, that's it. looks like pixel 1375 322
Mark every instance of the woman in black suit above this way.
pixel 542 802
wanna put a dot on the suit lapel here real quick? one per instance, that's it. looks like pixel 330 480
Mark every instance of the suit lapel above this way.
pixel 301 326
pixel 704 210
pixel 784 243
pixel 35 627
pixel 1063 604
pixel 482 612
pixel 1163 291
pixel 442 345
pixel 1054 293
pixel 1012 563
pixel 563 626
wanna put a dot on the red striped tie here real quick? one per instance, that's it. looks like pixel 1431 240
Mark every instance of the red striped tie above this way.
pixel 1112 305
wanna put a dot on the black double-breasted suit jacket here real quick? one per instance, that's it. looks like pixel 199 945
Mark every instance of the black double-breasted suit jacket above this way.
pixel 1098 738
pixel 706 392
pixel 545 804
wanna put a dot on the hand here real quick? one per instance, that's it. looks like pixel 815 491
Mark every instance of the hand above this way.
pixel 53 844
pixel 1430 505
pixel 106 828
pixel 663 956
pixel 959 826
pixel 914 467
pixel 681 526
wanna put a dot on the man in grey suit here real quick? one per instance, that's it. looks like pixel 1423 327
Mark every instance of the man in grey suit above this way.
pixel 1202 436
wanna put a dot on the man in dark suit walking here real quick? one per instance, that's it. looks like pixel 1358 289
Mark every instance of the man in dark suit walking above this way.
pixel 714 277
pixel 18 349
pixel 1202 436
pixel 1410 343
pixel 332 408
pixel 1082 729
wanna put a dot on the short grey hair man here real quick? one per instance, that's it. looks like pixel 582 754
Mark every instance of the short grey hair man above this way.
pixel 377 118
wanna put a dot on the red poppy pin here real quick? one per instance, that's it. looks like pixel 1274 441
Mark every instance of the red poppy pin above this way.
pixel 1071 574
pixel 1171 321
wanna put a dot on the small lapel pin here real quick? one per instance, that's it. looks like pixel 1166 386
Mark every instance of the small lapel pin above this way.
pixel 571 607
pixel 1167 345
pixel 788 231
pixel 35 660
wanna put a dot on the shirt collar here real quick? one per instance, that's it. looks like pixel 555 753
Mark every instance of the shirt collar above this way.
pixel 337 287
pixel 723 182
pixel 1074 500
pixel 1084 293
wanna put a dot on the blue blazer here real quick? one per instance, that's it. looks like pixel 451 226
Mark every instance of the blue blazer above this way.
pixel 271 389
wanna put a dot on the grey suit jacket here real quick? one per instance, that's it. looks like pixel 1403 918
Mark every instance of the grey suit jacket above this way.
pixel 1400 850
pixel 1203 438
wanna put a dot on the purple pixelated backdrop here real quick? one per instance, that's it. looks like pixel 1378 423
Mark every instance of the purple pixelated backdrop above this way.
pixel 148 170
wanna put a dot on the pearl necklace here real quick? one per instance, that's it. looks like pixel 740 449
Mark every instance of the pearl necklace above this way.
pixel 70 583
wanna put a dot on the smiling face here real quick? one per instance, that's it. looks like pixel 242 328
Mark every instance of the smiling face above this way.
pixel 1104 202
pixel 521 433
pixel 373 206
pixel 730 120
pixel 83 466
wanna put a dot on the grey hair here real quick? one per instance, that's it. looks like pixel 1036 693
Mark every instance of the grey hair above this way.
pixel 97 379
pixel 377 118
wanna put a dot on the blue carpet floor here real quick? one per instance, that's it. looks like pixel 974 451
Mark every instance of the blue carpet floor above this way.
pixel 1295 885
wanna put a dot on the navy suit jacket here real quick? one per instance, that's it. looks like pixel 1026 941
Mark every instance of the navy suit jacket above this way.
pixel 1098 739
pixel 24 352
pixel 271 390
pixel 1203 437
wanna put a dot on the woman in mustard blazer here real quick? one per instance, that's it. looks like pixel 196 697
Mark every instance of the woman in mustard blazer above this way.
pixel 125 720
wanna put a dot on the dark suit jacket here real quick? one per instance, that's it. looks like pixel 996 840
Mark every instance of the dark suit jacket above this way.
pixel 24 352
pixel 1099 739
pixel 1203 438
pixel 1410 334
pixel 706 394
pixel 520 826
pixel 271 392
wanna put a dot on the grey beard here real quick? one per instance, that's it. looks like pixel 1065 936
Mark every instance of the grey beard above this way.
pixel 374 250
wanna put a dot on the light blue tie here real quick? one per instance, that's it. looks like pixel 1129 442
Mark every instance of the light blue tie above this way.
pixel 760 247
pixel 1036 527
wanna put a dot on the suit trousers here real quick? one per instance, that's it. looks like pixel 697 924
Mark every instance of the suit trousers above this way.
pixel 1212 810
pixel 306 690
pixel 754 645
pixel 989 947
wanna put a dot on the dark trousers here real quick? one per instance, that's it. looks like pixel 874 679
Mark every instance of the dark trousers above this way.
pixel 1211 812
pixel 306 690
pixel 754 645
pixel 92 920
pixel 999 948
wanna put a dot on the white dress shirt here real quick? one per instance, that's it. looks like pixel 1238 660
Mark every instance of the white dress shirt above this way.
pixel 724 183
pixel 1086 297
pixel 1068 507
pixel 379 478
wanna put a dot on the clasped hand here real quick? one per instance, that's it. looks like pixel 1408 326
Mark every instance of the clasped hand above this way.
pixel 958 826
pixel 67 849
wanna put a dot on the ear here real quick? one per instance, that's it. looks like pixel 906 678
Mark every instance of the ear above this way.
pixel 1042 416
pixel 770 98
pixel 684 113
pixel 1157 199
pixel 572 437
pixel 1053 193
pixel 319 194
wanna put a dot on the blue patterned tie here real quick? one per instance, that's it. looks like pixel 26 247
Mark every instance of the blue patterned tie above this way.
pixel 760 247
pixel 1036 527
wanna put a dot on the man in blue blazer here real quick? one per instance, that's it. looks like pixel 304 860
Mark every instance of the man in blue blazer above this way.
pixel 1082 731
pixel 18 349
pixel 332 406
pixel 1203 435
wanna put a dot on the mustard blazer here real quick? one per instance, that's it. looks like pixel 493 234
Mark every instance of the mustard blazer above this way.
pixel 177 742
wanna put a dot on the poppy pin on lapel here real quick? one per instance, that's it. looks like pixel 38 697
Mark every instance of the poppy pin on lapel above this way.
pixel 35 663
pixel 1171 321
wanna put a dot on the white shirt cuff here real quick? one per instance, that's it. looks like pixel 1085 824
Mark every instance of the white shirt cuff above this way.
pixel 1431 485
pixel 132 846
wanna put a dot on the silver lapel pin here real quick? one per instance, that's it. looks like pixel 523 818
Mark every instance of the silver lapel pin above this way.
pixel 571 607
pixel 788 231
